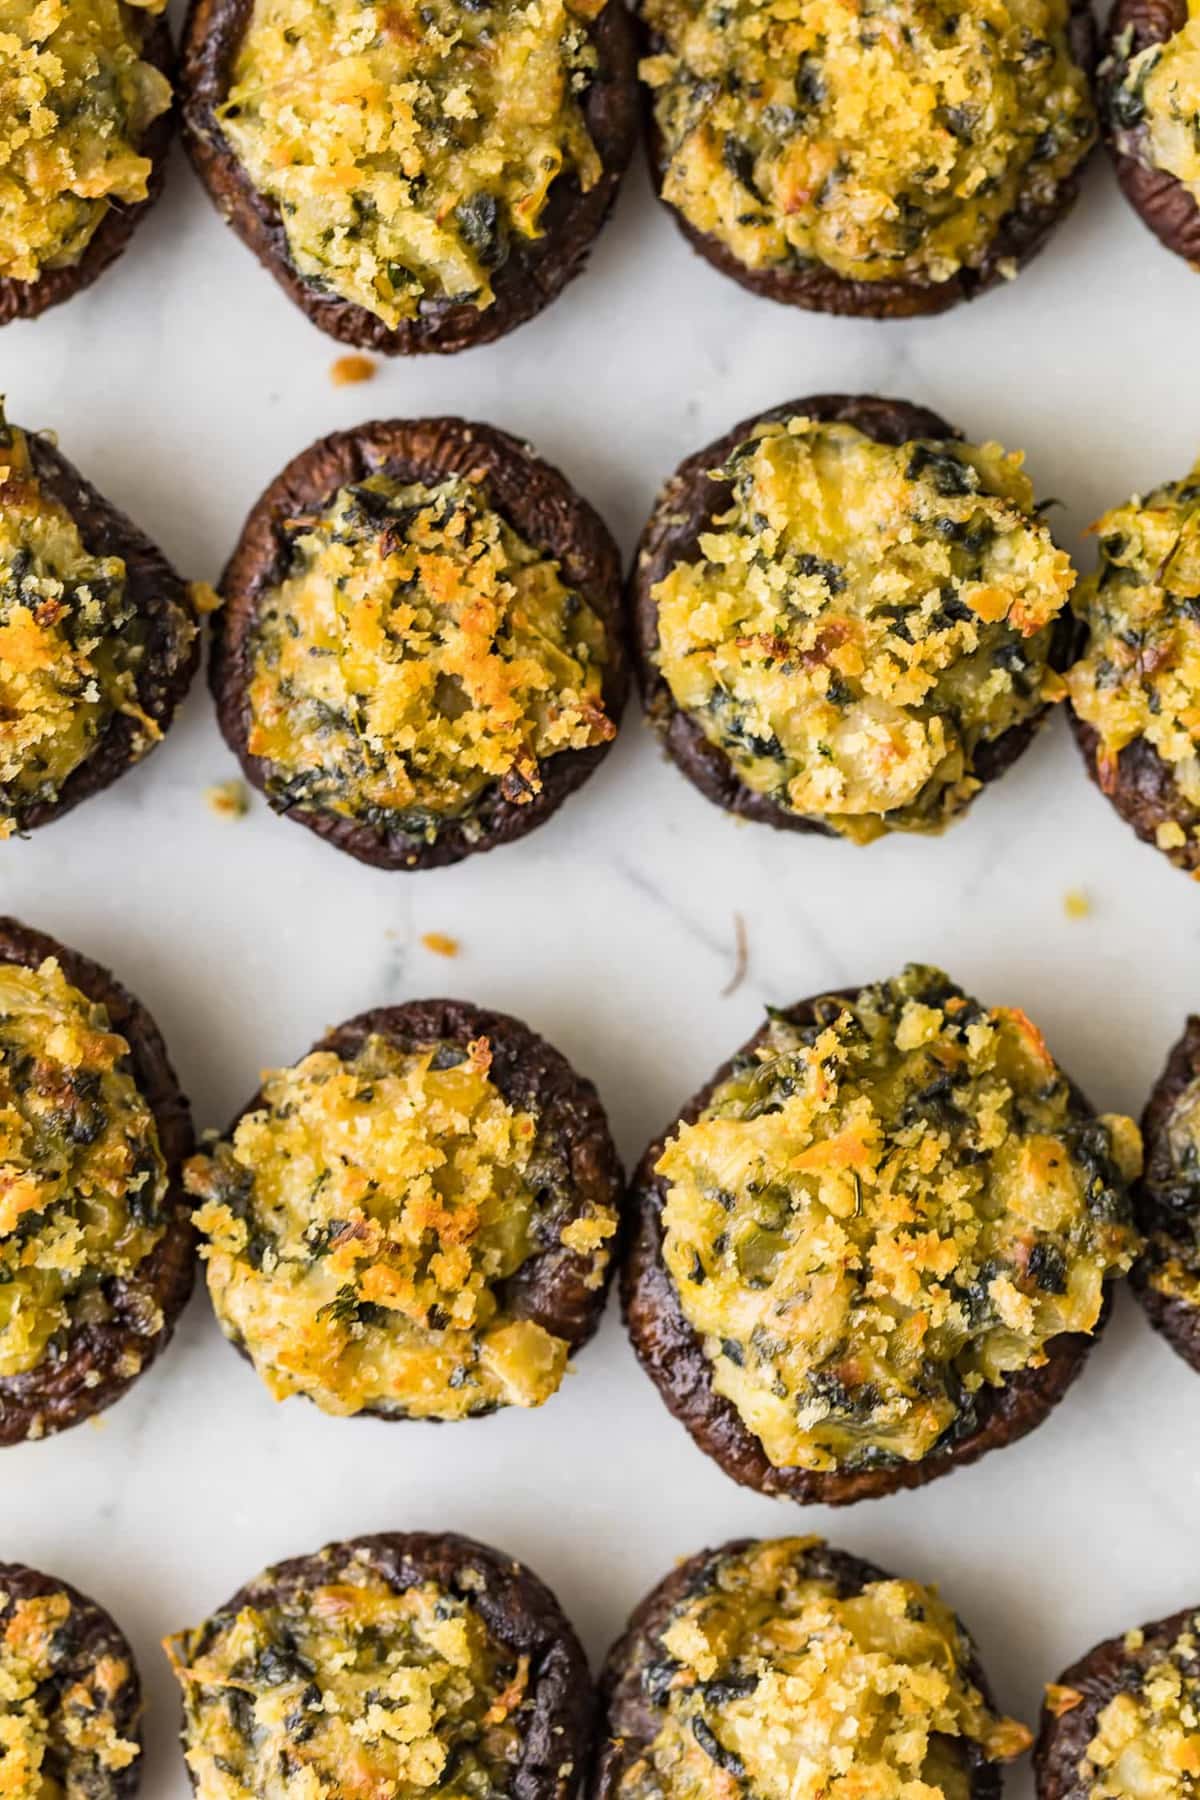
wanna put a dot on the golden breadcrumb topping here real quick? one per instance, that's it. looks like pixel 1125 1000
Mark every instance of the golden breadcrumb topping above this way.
pixel 361 1226
pixel 72 642
pixel 1139 676
pixel 418 655
pixel 350 1688
pixel 82 1177
pixel 1157 95
pixel 76 99
pixel 1172 1259
pixel 1146 1744
pixel 885 1210
pixel 888 139
pixel 410 148
pixel 773 1684
pixel 862 620
pixel 58 1727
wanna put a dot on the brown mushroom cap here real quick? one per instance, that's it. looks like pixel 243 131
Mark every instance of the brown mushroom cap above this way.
pixel 95 1636
pixel 1177 1319
pixel 1160 199
pixel 26 299
pixel 685 509
pixel 672 1353
pixel 818 289
pixel 1107 1670
pixel 91 1374
pixel 1146 792
pixel 518 1609
pixel 159 595
pixel 575 1148
pixel 536 500
pixel 535 271
pixel 629 1719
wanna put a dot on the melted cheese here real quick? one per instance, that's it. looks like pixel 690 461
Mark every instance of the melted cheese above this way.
pixel 770 1684
pixel 878 1214
pixel 76 99
pixel 418 655
pixel 884 140
pixel 1157 92
pixel 361 1226
pixel 58 1732
pixel 82 1177
pixel 349 1690
pixel 1139 676
pixel 1146 1745
pixel 72 643
pixel 862 620
pixel 409 147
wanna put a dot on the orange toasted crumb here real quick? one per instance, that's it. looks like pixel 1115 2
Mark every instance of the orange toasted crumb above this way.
pixel 204 598
pixel 231 799
pixel 439 944
pixel 1060 1700
pixel 1076 904
pixel 349 369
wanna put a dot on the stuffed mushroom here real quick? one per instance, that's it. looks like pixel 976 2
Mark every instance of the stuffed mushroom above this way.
pixel 450 181
pixel 784 1668
pixel 1135 689
pixel 397 1664
pixel 1150 108
pixel 416 1220
pixel 1167 1276
pixel 96 1248
pixel 70 1697
pixel 878 1243
pixel 847 620
pixel 85 124
pixel 1121 1723
pixel 421 651
pixel 886 159
pixel 98 636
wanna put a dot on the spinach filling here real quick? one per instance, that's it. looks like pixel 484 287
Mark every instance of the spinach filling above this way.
pixel 1156 94
pixel 1146 1745
pixel 59 1733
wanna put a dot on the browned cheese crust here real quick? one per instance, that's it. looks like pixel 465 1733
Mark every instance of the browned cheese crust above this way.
pixel 517 1608
pixel 629 1720
pixel 89 1375
pixel 1175 1317
pixel 1159 198
pixel 672 1354
pixel 26 299
pixel 156 590
pixel 533 275
pixel 818 289
pixel 536 500
pixel 684 511
pixel 1099 1676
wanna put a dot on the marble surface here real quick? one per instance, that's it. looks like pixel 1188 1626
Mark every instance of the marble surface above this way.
pixel 181 384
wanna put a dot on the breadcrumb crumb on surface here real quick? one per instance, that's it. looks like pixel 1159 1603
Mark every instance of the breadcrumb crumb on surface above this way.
pixel 348 370
pixel 229 799
pixel 1077 904
pixel 438 944
pixel 204 597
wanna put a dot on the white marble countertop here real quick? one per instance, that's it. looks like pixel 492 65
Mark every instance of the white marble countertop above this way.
pixel 181 383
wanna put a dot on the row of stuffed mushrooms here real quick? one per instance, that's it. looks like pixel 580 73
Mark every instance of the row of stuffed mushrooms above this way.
pixel 408 1664
pixel 878 1243
pixel 884 160
pixel 845 618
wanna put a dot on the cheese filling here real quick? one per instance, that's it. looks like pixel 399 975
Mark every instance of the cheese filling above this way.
pixel 58 1731
pixel 363 1222
pixel 1146 1744
pixel 82 1178
pixel 889 139
pixel 771 1684
pixel 862 620
pixel 76 99
pixel 1139 676
pixel 352 1688
pixel 72 643
pixel 419 656
pixel 410 149
pixel 883 1212
pixel 1158 94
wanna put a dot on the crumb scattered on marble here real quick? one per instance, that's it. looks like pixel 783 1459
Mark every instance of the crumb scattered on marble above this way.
pixel 1077 904
pixel 350 369
pixel 229 799
pixel 439 944
pixel 741 956
pixel 204 597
